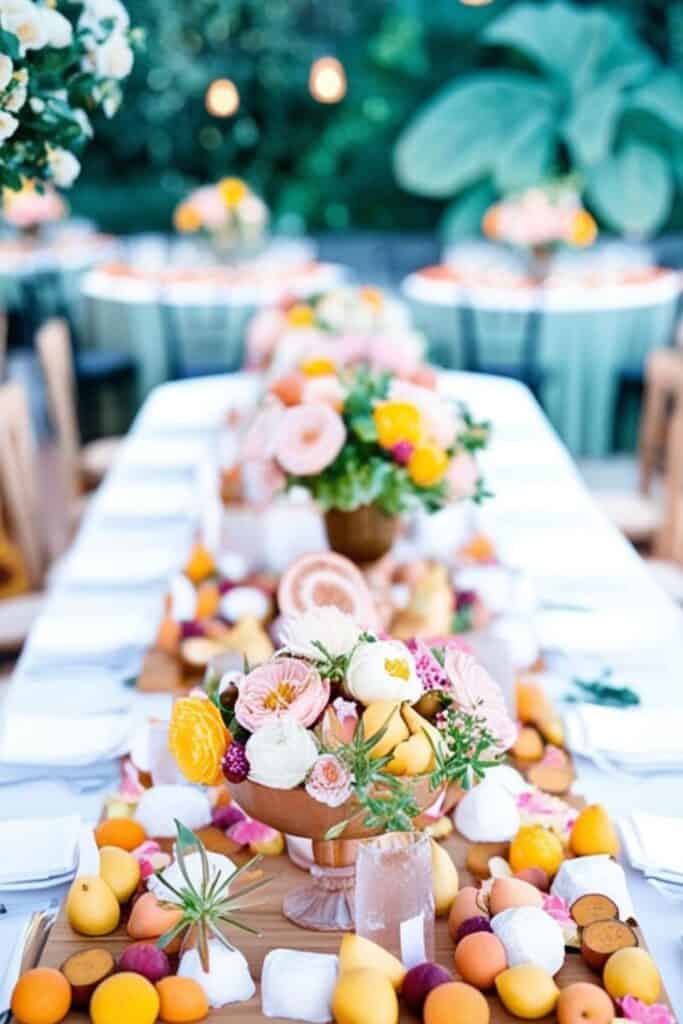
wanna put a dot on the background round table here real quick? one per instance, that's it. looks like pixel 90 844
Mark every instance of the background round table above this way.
pixel 594 328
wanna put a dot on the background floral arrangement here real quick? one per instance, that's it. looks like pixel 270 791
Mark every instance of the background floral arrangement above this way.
pixel 59 62
pixel 228 212
pixel 364 438
pixel 541 217
pixel 28 208
pixel 346 714
pixel 348 325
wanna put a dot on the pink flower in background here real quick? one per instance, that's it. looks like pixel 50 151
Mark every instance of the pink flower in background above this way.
pixel 281 687
pixel 28 208
pixel 558 909
pixel 462 475
pixel 263 334
pixel 260 440
pixel 402 452
pixel 328 389
pixel 431 672
pixel 476 693
pixel 437 414
pixel 262 480
pixel 211 208
pixel 634 1009
pixel 329 781
pixel 248 830
pixel 309 439
pixel 130 789
pixel 399 353
pixel 351 348
pixel 151 858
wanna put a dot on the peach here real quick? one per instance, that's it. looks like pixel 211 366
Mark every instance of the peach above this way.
pixel 463 907
pixel 534 876
pixel 528 746
pixel 583 1003
pixel 148 919
pixel 479 959
pixel 513 892
pixel 456 1003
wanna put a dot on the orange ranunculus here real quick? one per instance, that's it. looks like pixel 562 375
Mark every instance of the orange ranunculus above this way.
pixel 300 315
pixel 198 739
pixel 232 191
pixel 396 422
pixel 427 465
pixel 584 230
pixel 318 367
pixel 186 219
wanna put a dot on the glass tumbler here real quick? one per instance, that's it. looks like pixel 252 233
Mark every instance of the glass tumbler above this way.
pixel 394 898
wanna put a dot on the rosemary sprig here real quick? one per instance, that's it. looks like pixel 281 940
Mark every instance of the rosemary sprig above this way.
pixel 466 752
pixel 602 691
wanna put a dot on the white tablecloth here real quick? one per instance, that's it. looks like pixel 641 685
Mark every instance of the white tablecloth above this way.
pixel 543 520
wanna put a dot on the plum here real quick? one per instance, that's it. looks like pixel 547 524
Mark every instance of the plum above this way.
pixel 146 959
pixel 419 982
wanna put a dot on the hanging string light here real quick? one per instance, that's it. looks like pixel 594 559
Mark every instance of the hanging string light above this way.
pixel 476 3
pixel 327 80
pixel 222 98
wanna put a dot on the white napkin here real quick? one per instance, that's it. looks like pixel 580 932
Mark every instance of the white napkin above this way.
pixel 635 737
pixel 147 501
pixel 654 843
pixel 38 848
pixel 13 929
pixel 31 740
pixel 174 454
pixel 73 691
pixel 83 636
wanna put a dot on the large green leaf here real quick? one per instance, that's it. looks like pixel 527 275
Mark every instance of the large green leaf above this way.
pixel 464 215
pixel 633 189
pixel 457 138
pixel 589 129
pixel 527 156
pixel 662 96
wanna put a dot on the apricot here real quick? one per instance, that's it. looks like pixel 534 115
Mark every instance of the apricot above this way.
pixel 632 972
pixel 479 855
pixel 148 919
pixel 41 996
pixel 463 907
pixel 536 847
pixel 181 1000
pixel 124 997
pixel 532 703
pixel 123 832
pixel 513 892
pixel 208 600
pixel 528 746
pixel 527 991
pixel 92 907
pixel 583 1003
pixel 200 564
pixel 594 833
pixel 456 1003
pixel 479 959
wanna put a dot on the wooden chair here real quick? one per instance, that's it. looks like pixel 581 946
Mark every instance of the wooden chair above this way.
pixel 83 467
pixel 22 559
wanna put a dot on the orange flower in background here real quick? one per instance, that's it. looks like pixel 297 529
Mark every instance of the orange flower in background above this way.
pixel 318 367
pixel 186 219
pixel 397 422
pixel 198 739
pixel 490 222
pixel 232 191
pixel 584 230
pixel 427 465
pixel 300 315
pixel 373 297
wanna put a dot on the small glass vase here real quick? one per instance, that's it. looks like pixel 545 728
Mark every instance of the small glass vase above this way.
pixel 394 898
pixel 363 534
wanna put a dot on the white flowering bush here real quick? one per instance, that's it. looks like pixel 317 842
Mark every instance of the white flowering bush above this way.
pixel 60 62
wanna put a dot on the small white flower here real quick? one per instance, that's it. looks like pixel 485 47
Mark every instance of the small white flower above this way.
pixel 57 27
pixel 8 125
pixel 281 753
pixel 111 102
pixel 6 69
pixel 17 96
pixel 24 20
pixel 83 122
pixel 64 166
pixel 326 627
pixel 97 11
pixel 383 670
pixel 114 58
pixel 36 104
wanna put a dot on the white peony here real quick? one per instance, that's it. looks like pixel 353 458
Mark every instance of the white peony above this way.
pixel 326 627
pixel 17 97
pixel 57 27
pixel 64 166
pixel 114 58
pixel 383 670
pixel 6 69
pixel 281 753
pixel 8 125
pixel 25 20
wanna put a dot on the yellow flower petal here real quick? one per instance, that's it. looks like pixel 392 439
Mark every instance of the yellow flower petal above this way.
pixel 198 739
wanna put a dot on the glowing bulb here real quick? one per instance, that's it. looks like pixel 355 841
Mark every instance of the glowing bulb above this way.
pixel 222 98
pixel 327 80
pixel 476 3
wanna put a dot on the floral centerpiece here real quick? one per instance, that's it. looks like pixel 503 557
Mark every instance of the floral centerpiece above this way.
pixel 348 325
pixel 228 213
pixel 28 209
pixel 59 62
pixel 539 219
pixel 342 735
pixel 368 447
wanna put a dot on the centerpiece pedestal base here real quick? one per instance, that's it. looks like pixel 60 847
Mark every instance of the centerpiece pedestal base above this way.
pixel 364 534
pixel 326 903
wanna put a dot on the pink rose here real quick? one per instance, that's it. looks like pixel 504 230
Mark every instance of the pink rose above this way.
pixel 462 476
pixel 310 438
pixel 263 334
pixel 284 686
pixel 329 781
pixel 326 389
pixel 476 693
pixel 260 439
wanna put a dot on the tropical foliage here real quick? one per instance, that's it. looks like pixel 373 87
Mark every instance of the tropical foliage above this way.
pixel 575 90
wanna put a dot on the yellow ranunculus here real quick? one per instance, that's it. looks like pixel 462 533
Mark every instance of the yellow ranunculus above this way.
pixel 427 465
pixel 396 422
pixel 584 229
pixel 198 739
pixel 186 219
pixel 300 315
pixel 232 191
pixel 318 367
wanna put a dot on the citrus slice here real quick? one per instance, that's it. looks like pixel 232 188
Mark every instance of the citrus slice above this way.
pixel 327 578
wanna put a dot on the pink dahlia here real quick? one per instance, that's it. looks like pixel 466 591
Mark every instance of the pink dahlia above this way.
pixel 310 438
pixel 284 686
pixel 329 781
pixel 476 693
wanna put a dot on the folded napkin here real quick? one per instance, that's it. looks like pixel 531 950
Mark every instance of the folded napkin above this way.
pixel 59 634
pixel 637 738
pixel 38 848
pixel 178 455
pixel 13 933
pixel 654 844
pixel 68 692
pixel 31 742
pixel 169 500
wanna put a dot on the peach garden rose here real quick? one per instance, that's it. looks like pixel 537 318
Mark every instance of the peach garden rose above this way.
pixel 310 439
pixel 284 686
pixel 329 781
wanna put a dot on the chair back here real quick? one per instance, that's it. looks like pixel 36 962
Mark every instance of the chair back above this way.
pixel 501 342
pixel 3 345
pixel 54 351
pixel 202 338
pixel 21 538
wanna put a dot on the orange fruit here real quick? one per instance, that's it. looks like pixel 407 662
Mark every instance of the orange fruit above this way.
pixel 122 832
pixel 594 833
pixel 41 996
pixel 181 1000
pixel 208 600
pixel 532 703
pixel 200 565
pixel 536 847
pixel 456 1003
pixel 124 997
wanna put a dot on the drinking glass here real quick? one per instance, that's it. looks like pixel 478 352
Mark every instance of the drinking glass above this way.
pixel 394 898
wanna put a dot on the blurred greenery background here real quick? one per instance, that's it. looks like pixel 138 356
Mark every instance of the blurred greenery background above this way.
pixel 337 166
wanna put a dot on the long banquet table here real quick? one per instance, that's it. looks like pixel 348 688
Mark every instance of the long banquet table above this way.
pixel 596 599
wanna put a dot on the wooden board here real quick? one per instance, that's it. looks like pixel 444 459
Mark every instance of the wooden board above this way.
pixel 279 932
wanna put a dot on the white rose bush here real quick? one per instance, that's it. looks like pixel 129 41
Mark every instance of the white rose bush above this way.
pixel 61 61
